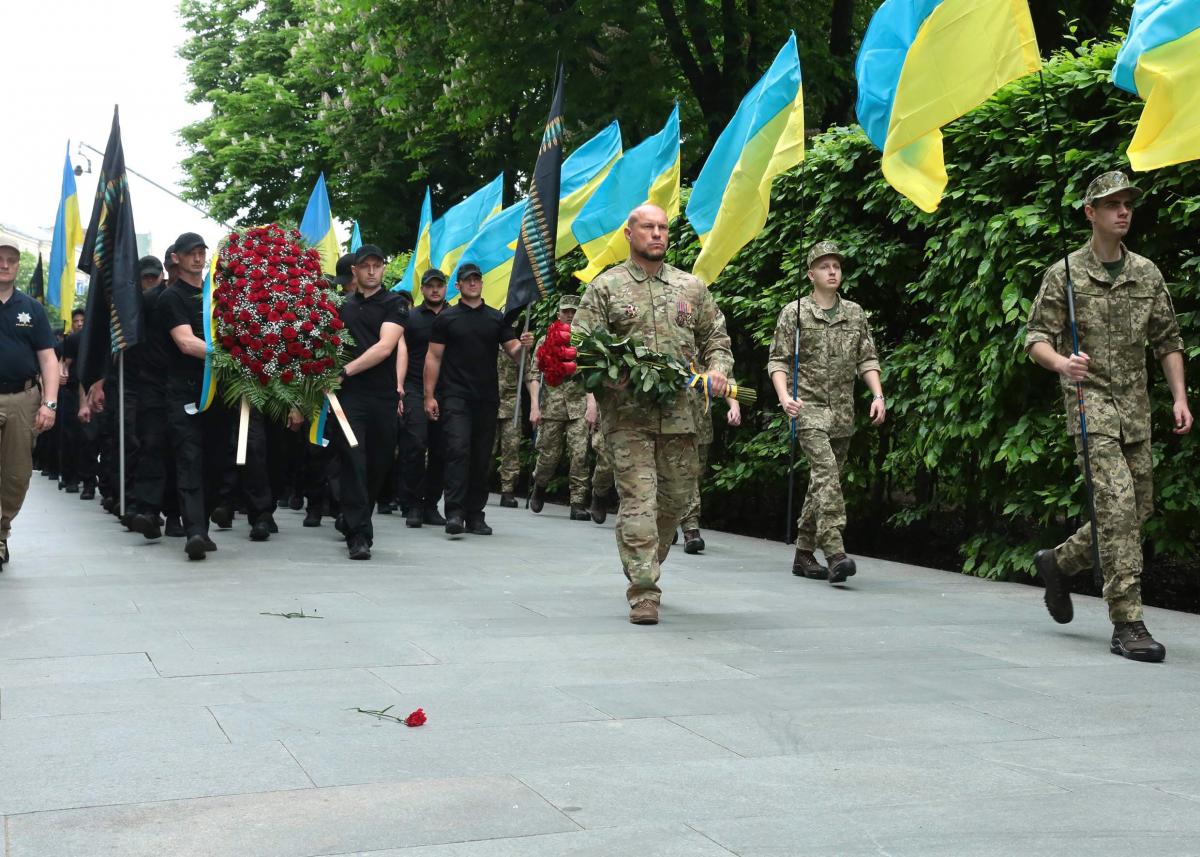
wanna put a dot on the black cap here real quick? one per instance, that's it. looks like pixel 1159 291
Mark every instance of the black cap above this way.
pixel 167 263
pixel 366 251
pixel 432 274
pixel 405 296
pixel 149 266
pixel 187 242
pixel 344 274
pixel 467 269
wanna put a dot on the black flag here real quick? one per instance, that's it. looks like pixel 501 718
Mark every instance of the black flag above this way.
pixel 533 267
pixel 37 282
pixel 110 255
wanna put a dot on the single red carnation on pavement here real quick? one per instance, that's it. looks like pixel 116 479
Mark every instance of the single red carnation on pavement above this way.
pixel 417 718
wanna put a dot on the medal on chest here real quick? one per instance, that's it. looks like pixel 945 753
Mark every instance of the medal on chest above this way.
pixel 684 314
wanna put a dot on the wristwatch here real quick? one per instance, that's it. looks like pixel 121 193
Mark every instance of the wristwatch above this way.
pixel 51 405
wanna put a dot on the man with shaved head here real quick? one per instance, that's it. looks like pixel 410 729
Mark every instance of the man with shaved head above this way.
pixel 653 447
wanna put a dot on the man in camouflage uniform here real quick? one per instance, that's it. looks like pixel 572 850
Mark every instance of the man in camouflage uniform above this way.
pixel 693 542
pixel 602 472
pixel 1121 304
pixel 653 446
pixel 835 345
pixel 558 415
pixel 508 432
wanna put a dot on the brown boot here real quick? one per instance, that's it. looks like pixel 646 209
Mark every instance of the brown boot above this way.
pixel 1133 641
pixel 1058 593
pixel 693 542
pixel 645 612
pixel 805 565
pixel 840 567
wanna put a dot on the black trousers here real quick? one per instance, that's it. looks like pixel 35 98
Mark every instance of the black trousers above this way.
pixel 107 427
pixel 422 457
pixel 200 443
pixel 250 482
pixel 468 431
pixel 364 468
pixel 77 452
pixel 154 488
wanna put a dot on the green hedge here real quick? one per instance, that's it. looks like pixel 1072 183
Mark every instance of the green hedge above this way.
pixel 976 433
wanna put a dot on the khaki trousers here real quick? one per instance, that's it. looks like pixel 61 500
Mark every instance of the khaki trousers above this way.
pixel 17 414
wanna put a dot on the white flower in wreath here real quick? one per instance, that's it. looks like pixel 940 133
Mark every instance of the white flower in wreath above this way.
pixel 24 318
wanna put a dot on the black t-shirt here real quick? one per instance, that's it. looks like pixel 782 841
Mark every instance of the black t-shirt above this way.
pixel 24 331
pixel 417 329
pixel 181 303
pixel 70 351
pixel 158 344
pixel 364 319
pixel 471 337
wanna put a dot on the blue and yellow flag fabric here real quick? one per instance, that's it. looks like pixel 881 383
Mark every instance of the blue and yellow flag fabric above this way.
pixel 925 63
pixel 68 235
pixel 1160 61
pixel 451 233
pixel 419 258
pixel 533 270
pixel 582 173
pixel 493 248
pixel 316 227
pixel 649 172
pixel 316 425
pixel 732 195
pixel 355 238
pixel 208 386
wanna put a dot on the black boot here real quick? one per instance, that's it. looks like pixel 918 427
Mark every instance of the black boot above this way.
pixel 693 542
pixel 840 567
pixel 537 499
pixel 599 509
pixel 507 500
pixel 805 565
pixel 1058 593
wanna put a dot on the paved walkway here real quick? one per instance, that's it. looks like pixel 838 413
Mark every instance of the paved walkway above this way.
pixel 148 707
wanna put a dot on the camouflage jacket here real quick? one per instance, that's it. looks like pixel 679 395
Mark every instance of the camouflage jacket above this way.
pixel 1115 321
pixel 506 372
pixel 567 401
pixel 832 353
pixel 673 313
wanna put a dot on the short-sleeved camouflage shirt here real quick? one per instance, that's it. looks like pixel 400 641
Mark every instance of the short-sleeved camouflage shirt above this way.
pixel 567 401
pixel 1116 320
pixel 832 353
pixel 673 313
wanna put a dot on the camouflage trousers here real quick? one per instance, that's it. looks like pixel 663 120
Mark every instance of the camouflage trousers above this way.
pixel 823 516
pixel 1123 485
pixel 691 517
pixel 654 474
pixel 602 474
pixel 553 435
pixel 508 446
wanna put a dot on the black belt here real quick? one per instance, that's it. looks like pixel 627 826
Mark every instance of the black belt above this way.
pixel 9 387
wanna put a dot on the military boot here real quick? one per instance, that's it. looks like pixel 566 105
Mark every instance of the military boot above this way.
pixel 1132 640
pixel 507 500
pixel 537 499
pixel 805 565
pixel 645 612
pixel 1058 593
pixel 693 542
pixel 578 513
pixel 840 567
pixel 599 509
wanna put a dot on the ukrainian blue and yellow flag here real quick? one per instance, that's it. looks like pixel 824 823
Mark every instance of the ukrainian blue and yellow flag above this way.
pixel 68 235
pixel 208 386
pixel 355 238
pixel 317 226
pixel 649 172
pixel 582 173
pixel 1160 62
pixel 316 425
pixel 450 234
pixel 732 196
pixel 418 260
pixel 925 63
pixel 494 248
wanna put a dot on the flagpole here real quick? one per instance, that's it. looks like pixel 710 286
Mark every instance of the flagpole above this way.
pixel 1098 570
pixel 787 531
pixel 521 371
pixel 121 426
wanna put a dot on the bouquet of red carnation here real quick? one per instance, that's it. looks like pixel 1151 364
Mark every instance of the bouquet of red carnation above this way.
pixel 555 356
pixel 279 342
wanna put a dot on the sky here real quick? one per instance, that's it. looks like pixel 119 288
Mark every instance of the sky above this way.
pixel 51 63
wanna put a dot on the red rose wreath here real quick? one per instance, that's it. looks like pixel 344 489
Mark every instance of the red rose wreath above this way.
pixel 279 342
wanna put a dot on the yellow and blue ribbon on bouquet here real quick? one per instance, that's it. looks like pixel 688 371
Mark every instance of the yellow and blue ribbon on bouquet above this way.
pixel 316 426
pixel 208 388
pixel 702 381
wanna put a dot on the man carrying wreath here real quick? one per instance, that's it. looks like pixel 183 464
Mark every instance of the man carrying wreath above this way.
pixel 653 447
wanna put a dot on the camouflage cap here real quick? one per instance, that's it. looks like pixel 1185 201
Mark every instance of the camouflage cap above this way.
pixel 824 248
pixel 1108 184
pixel 568 302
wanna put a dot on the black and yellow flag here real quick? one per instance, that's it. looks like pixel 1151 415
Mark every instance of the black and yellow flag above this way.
pixel 110 255
pixel 37 282
pixel 533 267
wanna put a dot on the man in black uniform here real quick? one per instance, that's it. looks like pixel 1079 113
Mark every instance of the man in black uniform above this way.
pixel 77 451
pixel 464 338
pixel 421 440
pixel 26 351
pixel 369 396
